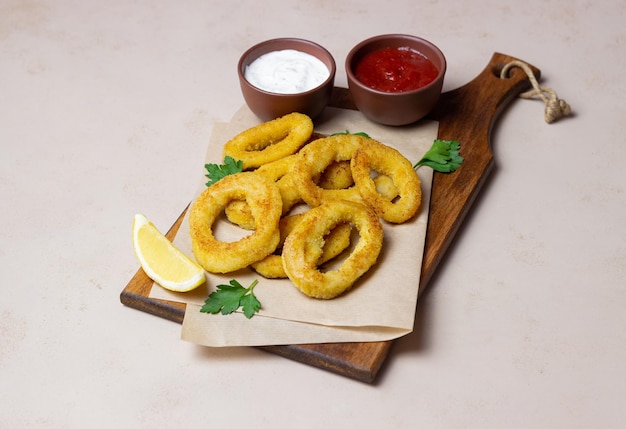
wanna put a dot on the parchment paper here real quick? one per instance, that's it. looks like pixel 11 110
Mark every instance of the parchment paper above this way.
pixel 381 306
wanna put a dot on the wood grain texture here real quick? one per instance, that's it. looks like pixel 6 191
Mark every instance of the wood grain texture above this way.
pixel 466 114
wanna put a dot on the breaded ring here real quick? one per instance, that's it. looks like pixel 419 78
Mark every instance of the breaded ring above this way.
pixel 307 238
pixel 373 155
pixel 265 202
pixel 279 171
pixel 270 141
pixel 315 158
pixel 238 212
pixel 385 187
pixel 337 175
pixel 337 240
pixel 271 266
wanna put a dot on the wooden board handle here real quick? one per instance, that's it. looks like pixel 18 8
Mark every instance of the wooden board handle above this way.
pixel 467 114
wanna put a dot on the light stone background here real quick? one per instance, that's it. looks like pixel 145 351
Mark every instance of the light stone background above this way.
pixel 106 108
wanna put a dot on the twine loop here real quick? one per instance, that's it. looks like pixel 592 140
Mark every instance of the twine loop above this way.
pixel 556 108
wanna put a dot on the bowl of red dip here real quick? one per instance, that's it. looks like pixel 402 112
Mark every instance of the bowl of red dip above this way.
pixel 286 75
pixel 395 79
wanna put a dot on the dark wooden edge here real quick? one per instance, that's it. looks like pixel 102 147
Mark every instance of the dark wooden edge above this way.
pixel 444 219
pixel 483 100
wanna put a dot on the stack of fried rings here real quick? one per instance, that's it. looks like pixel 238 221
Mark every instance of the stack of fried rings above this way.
pixel 345 180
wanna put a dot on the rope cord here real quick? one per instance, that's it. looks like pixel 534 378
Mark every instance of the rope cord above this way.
pixel 556 108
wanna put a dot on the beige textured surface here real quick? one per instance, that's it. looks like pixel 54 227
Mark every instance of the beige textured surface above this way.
pixel 105 108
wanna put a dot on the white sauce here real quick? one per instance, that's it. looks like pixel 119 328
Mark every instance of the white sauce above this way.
pixel 286 72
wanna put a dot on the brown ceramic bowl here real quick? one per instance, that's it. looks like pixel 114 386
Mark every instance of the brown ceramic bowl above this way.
pixel 395 108
pixel 269 105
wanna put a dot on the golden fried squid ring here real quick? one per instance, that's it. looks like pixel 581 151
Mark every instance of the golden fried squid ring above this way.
pixel 307 238
pixel 316 157
pixel 385 187
pixel 238 212
pixel 337 240
pixel 336 176
pixel 271 266
pixel 386 160
pixel 264 199
pixel 270 141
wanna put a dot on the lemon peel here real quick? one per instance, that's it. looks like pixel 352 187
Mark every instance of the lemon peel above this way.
pixel 162 261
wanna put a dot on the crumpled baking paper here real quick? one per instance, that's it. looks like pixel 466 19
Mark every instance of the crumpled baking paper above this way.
pixel 381 305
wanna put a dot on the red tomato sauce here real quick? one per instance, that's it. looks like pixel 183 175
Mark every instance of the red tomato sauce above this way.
pixel 395 70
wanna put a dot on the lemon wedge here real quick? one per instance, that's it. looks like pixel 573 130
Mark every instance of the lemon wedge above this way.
pixel 163 262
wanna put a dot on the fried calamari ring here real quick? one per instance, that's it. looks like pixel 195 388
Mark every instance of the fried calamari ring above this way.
pixel 238 212
pixel 271 266
pixel 385 187
pixel 279 171
pixel 304 243
pixel 337 240
pixel 316 157
pixel 386 160
pixel 270 141
pixel 264 200
pixel 337 175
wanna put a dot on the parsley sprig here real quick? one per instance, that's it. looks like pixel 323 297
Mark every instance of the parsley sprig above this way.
pixel 443 156
pixel 362 134
pixel 228 298
pixel 219 171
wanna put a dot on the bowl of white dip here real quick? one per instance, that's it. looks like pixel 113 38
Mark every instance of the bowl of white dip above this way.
pixel 286 75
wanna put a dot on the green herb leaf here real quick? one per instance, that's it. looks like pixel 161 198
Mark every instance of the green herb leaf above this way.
pixel 217 171
pixel 362 134
pixel 443 156
pixel 228 298
pixel 250 305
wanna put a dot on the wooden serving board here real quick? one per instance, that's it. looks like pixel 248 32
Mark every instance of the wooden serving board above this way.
pixel 466 114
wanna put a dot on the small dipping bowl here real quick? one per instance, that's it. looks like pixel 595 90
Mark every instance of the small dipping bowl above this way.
pixel 395 108
pixel 268 105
